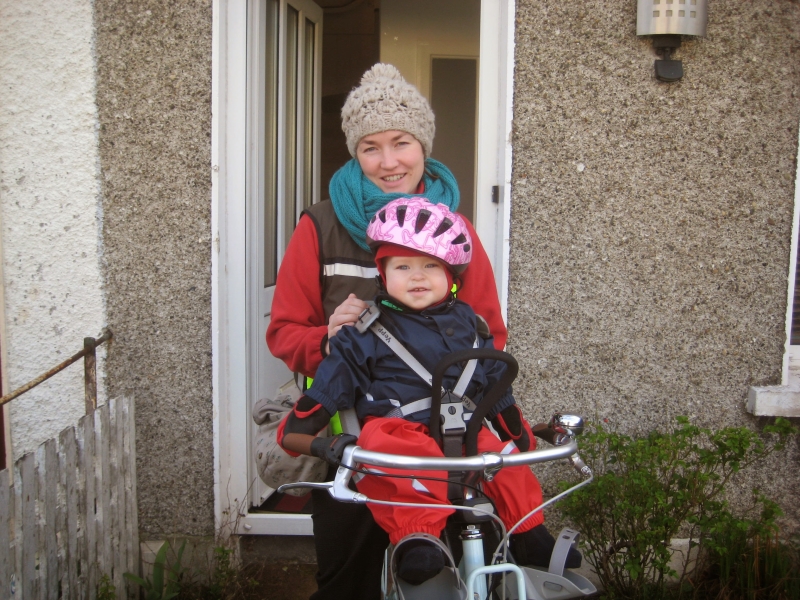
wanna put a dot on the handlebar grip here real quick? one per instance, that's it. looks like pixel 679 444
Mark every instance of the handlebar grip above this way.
pixel 543 432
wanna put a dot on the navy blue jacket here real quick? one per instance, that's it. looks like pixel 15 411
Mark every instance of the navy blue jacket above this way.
pixel 362 370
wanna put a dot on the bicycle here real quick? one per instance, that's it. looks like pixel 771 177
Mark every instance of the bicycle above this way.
pixel 471 577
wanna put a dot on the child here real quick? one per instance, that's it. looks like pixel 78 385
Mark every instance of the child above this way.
pixel 420 248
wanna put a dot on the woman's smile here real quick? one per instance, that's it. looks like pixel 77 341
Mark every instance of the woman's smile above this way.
pixel 392 178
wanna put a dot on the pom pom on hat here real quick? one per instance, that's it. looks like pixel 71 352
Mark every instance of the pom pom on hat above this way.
pixel 385 101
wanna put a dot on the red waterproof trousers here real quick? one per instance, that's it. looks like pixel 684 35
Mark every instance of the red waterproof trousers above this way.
pixel 515 490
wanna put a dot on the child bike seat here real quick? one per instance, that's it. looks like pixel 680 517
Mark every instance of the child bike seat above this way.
pixel 447 585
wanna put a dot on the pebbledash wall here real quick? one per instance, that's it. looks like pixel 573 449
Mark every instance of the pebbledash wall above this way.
pixel 650 238
pixel 651 223
pixel 650 229
pixel 105 193
pixel 154 106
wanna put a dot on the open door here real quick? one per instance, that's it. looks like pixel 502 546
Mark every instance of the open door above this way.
pixel 284 67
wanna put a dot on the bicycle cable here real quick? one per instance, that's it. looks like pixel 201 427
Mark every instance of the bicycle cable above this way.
pixel 474 488
pixel 506 538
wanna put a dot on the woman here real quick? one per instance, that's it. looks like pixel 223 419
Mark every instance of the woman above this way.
pixel 328 272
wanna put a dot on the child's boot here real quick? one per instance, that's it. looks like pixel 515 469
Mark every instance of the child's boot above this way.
pixel 535 546
pixel 419 561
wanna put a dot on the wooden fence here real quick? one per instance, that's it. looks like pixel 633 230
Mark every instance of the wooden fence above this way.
pixel 68 516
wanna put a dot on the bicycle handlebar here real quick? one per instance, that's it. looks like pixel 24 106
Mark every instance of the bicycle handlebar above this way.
pixel 481 462
pixel 489 463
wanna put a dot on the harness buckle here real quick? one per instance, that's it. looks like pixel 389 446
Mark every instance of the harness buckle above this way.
pixel 367 317
pixel 453 417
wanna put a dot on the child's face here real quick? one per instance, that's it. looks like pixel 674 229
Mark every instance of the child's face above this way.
pixel 416 281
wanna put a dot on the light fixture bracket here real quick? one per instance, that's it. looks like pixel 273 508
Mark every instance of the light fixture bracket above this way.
pixel 667 69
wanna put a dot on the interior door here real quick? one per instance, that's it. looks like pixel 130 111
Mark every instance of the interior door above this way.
pixel 284 66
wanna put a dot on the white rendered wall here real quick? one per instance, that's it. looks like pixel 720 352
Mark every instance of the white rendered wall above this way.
pixel 49 208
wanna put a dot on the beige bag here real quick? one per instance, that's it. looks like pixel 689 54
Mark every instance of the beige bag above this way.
pixel 275 467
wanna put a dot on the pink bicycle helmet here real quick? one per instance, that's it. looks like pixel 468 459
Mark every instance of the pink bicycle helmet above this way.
pixel 431 229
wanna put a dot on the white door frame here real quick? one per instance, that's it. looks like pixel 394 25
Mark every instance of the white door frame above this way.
pixel 495 114
pixel 268 374
pixel 228 223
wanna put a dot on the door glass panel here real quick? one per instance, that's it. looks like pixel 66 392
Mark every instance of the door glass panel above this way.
pixel 270 162
pixel 309 75
pixel 290 122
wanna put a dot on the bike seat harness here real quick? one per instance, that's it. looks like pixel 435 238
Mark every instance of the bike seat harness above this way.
pixel 456 407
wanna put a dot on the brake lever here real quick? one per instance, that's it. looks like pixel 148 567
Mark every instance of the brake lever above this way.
pixel 338 488
pixel 562 429
pixel 304 484
pixel 580 466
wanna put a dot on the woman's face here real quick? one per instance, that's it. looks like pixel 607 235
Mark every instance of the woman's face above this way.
pixel 392 160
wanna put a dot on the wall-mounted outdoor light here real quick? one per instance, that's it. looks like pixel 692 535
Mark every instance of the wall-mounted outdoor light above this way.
pixel 667 21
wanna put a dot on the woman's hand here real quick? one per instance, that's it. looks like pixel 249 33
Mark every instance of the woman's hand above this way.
pixel 345 314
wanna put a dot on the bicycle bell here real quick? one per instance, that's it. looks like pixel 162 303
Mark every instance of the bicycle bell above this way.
pixel 569 424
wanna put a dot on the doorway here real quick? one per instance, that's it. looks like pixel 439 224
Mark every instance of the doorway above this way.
pixel 296 127
pixel 282 70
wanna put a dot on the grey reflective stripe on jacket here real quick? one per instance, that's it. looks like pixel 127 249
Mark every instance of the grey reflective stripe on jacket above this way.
pixel 345 267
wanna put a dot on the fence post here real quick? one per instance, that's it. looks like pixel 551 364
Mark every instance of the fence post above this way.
pixel 90 373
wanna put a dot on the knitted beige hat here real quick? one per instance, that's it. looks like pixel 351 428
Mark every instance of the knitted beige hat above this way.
pixel 385 101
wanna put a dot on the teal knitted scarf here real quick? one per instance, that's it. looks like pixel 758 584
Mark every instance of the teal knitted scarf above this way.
pixel 356 199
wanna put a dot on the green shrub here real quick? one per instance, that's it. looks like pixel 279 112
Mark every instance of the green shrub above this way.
pixel 648 489
pixel 224 574
pixel 106 590
pixel 224 580
pixel 166 582
pixel 746 558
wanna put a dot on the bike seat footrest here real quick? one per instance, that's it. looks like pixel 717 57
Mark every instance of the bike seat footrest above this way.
pixel 565 540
